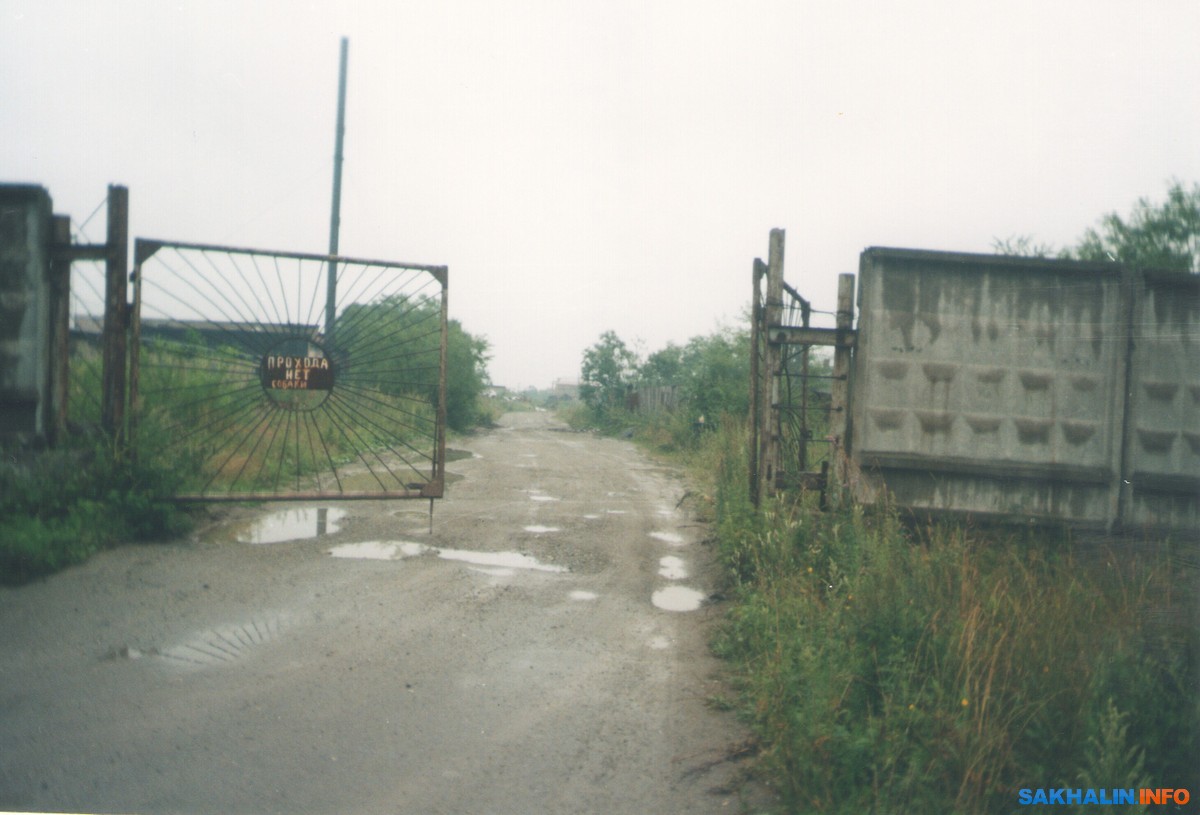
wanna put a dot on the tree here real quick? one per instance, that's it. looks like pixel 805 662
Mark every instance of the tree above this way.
pixel 716 374
pixel 393 345
pixel 1163 236
pixel 608 369
pixel 466 376
pixel 663 367
pixel 1155 236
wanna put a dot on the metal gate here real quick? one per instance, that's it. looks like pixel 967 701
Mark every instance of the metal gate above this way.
pixel 263 375
pixel 799 402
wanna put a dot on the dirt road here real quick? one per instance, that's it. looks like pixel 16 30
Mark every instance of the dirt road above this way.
pixel 537 653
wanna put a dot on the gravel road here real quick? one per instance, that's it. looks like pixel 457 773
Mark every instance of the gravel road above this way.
pixel 543 650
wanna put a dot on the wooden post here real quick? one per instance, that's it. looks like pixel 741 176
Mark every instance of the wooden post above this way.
pixel 60 329
pixel 112 406
pixel 768 459
pixel 756 378
pixel 839 417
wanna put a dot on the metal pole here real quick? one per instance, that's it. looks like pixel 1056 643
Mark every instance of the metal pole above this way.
pixel 336 209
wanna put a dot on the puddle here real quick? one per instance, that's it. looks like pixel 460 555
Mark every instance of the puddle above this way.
pixel 538 530
pixel 379 550
pixel 221 645
pixel 497 564
pixel 583 595
pixel 293 524
pixel 667 537
pixel 511 560
pixel 677 598
pixel 672 568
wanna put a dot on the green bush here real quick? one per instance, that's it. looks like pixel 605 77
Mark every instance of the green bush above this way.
pixel 59 507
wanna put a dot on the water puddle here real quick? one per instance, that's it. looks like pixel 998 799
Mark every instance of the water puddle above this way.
pixel 497 564
pixel 222 645
pixel 539 530
pixel 677 598
pixel 510 560
pixel 672 568
pixel 293 524
pixel 379 550
pixel 583 595
pixel 667 537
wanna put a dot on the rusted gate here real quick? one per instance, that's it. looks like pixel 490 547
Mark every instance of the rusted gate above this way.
pixel 281 375
pixel 799 404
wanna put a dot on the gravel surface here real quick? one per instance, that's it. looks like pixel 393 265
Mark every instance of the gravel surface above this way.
pixel 543 650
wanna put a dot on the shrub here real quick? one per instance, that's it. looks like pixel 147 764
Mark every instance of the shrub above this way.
pixel 59 507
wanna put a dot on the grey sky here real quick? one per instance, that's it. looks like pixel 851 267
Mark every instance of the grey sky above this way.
pixel 604 165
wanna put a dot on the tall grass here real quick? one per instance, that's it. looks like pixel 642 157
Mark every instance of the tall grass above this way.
pixel 934 669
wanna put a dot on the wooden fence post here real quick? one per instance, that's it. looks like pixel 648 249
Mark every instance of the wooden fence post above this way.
pixel 768 458
pixel 839 418
pixel 112 405
pixel 60 329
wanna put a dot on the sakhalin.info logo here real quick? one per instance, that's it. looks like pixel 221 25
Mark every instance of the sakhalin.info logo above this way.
pixel 1069 797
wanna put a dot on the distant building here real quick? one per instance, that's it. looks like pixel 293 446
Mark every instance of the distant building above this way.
pixel 566 388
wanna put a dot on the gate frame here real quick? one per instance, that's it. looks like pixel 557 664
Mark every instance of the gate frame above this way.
pixel 145 248
pixel 769 338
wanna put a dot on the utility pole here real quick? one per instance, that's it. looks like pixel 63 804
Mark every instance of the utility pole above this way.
pixel 335 217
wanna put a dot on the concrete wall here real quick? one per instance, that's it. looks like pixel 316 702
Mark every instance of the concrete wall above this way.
pixel 1161 484
pixel 25 299
pixel 997 386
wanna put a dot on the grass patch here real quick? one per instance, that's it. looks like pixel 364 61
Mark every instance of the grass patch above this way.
pixel 59 507
pixel 889 668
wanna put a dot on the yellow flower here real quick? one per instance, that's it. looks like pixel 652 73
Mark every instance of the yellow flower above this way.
pixel 965 702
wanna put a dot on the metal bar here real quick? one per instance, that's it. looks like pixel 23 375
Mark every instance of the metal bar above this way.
pixel 431 490
pixel 803 335
pixel 71 252
pixel 804 303
pixel 437 271
pixel 437 473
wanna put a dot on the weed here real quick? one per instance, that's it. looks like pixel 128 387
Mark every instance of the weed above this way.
pixel 889 667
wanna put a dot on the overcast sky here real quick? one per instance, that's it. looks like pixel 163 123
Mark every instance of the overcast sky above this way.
pixel 590 166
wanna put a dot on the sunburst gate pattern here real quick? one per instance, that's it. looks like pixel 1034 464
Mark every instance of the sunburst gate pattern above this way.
pixel 269 375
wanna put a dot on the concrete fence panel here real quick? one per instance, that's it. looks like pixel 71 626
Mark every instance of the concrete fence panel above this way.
pixel 1028 388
